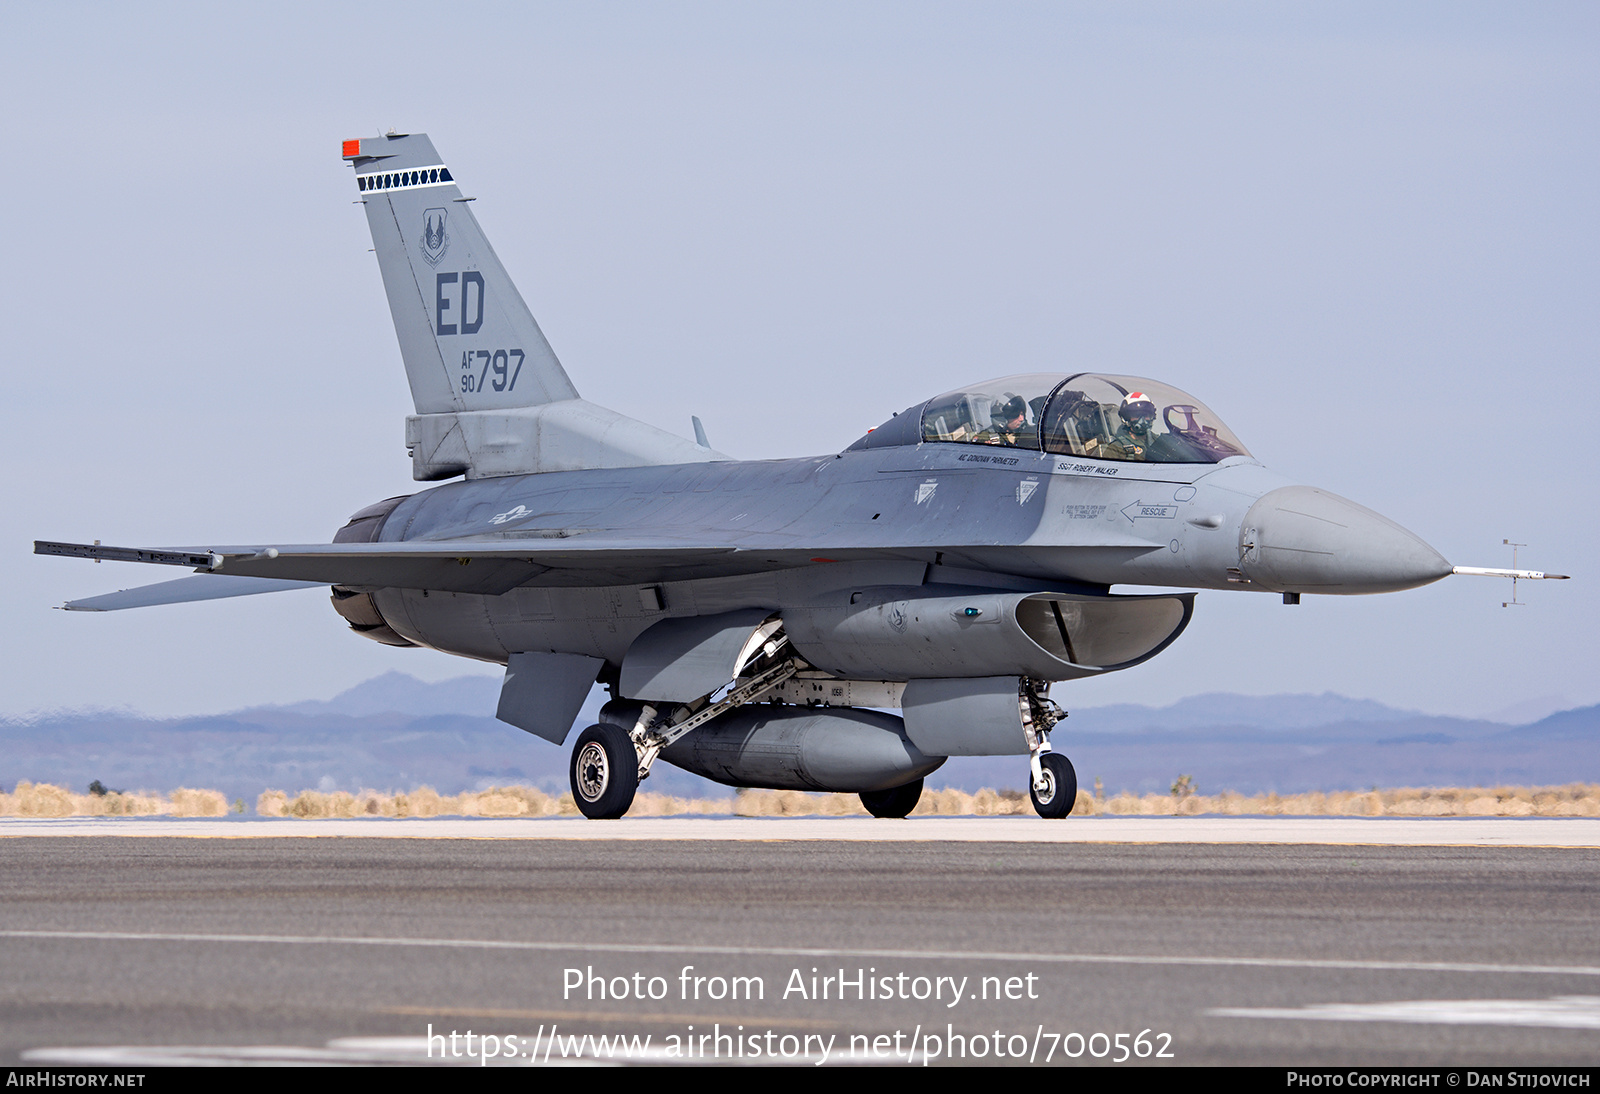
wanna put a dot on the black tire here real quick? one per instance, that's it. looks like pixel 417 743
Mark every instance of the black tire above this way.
pixel 605 772
pixel 1061 790
pixel 894 803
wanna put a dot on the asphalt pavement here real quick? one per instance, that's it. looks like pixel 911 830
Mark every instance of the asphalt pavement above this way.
pixel 170 948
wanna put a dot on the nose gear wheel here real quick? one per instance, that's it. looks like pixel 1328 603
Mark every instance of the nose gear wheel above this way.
pixel 1060 791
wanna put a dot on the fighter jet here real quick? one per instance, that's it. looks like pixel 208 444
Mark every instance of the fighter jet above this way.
pixel 755 621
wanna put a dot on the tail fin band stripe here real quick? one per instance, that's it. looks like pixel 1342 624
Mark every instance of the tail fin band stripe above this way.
pixel 404 180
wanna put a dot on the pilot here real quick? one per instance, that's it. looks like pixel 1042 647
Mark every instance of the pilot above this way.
pixel 1008 424
pixel 1133 440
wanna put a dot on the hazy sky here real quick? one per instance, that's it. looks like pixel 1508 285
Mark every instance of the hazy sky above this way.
pixel 1365 234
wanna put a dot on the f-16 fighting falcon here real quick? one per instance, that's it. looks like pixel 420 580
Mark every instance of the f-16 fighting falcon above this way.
pixel 754 621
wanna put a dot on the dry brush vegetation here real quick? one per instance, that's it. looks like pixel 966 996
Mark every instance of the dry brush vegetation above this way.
pixel 1576 800
pixel 46 800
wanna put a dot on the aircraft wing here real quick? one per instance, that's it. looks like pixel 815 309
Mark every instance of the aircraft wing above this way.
pixel 467 566
pixel 493 566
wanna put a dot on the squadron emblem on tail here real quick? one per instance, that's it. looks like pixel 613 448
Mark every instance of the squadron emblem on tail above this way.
pixel 434 241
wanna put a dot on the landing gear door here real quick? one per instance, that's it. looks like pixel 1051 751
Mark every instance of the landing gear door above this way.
pixel 981 716
pixel 681 660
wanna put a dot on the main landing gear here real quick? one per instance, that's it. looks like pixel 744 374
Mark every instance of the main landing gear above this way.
pixel 605 772
pixel 895 803
pixel 609 762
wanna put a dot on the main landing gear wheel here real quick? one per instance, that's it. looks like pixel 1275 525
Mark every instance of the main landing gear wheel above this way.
pixel 1060 791
pixel 894 803
pixel 605 772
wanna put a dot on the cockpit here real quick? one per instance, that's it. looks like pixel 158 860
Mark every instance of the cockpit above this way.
pixel 1088 414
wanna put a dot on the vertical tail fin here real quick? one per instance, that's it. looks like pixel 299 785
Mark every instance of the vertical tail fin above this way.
pixel 468 341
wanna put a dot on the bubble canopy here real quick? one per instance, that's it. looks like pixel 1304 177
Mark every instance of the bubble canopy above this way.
pixel 1088 414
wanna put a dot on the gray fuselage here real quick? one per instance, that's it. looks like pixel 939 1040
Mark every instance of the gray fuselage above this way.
pixel 922 514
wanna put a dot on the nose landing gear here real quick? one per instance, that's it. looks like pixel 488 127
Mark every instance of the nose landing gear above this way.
pixel 1060 790
pixel 1054 784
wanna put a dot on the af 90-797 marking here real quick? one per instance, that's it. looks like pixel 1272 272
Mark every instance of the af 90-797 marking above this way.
pixel 498 362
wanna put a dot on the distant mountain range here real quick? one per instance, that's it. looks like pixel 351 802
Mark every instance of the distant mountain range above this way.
pixel 397 693
pixel 396 732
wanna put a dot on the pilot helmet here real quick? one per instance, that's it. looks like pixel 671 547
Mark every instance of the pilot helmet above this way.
pixel 1011 409
pixel 1137 409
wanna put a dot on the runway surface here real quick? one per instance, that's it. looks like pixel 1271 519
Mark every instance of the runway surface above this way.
pixel 1383 831
pixel 163 948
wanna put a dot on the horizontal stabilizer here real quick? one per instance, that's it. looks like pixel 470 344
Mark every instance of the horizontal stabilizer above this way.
pixel 186 590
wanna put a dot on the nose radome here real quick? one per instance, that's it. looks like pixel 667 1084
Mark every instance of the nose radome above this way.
pixel 1301 539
